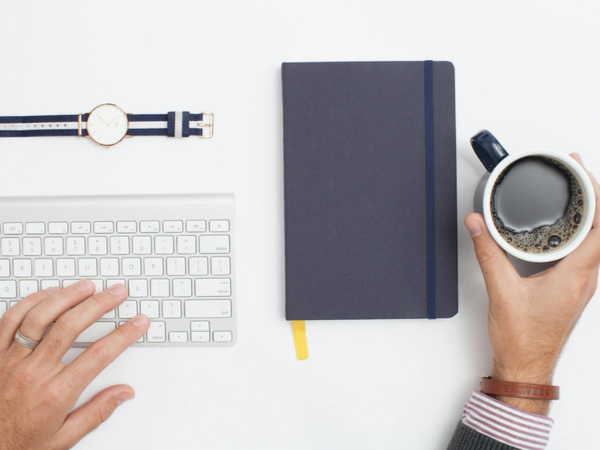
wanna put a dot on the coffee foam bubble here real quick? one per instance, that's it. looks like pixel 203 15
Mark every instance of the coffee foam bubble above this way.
pixel 545 238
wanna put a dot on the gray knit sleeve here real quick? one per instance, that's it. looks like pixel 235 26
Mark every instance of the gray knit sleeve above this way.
pixel 466 438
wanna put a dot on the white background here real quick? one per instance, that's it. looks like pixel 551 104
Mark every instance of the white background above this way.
pixel 525 70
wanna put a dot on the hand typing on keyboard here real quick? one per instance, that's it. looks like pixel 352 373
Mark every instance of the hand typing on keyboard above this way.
pixel 37 391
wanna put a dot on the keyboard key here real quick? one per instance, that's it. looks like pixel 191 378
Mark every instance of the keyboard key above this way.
pixel 128 309
pixel 199 266
pixel 43 267
pixel 50 283
pixel 111 283
pixel 10 247
pixel 159 287
pixel 109 267
pixel 150 226
pixel 206 309
pixel 138 288
pixel 222 336
pixel 174 336
pixel 65 267
pixel 8 289
pixel 132 267
pixel 126 227
pixel 3 308
pixel 200 336
pixel 163 245
pixel 220 265
pixel 27 287
pixel 219 226
pixel 214 244
pixel 75 246
pixel 213 287
pixel 96 331
pixel 203 325
pixel 98 245
pixel 172 226
pixel 13 228
pixel 99 284
pixel 21 268
pixel 88 267
pixel 119 245
pixel 67 283
pixel 156 332
pixel 150 308
pixel 195 226
pixel 32 246
pixel 35 228
pixel 81 228
pixel 104 227
pixel 171 309
pixel 58 228
pixel 182 287
pixel 4 268
pixel 142 245
pixel 175 266
pixel 110 315
pixel 53 246
pixel 186 245
pixel 153 266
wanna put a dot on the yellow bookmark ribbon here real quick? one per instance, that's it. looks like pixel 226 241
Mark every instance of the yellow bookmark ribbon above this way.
pixel 300 341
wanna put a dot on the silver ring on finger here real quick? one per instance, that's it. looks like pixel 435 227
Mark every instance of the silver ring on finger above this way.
pixel 26 342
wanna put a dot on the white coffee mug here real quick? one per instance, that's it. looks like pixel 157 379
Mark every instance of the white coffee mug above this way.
pixel 495 159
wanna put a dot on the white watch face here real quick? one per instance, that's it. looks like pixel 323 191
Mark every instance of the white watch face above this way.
pixel 107 124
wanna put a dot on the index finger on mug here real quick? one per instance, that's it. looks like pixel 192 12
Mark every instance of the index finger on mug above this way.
pixel 596 186
pixel 587 256
pixel 87 366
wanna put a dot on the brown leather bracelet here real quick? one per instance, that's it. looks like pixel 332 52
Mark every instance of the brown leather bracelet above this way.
pixel 522 390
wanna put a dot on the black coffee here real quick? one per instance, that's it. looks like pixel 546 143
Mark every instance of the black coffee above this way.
pixel 537 204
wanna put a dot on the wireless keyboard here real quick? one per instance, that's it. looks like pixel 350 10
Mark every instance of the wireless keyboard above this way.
pixel 175 253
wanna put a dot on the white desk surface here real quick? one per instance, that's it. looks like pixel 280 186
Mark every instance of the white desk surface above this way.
pixel 525 70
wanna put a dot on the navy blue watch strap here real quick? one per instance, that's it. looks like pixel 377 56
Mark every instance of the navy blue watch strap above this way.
pixel 178 124
pixel 42 126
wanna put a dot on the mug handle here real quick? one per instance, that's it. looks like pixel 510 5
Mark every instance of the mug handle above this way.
pixel 487 148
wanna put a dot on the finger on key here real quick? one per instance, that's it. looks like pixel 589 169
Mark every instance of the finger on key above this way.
pixel 36 322
pixel 72 323
pixel 12 319
pixel 101 353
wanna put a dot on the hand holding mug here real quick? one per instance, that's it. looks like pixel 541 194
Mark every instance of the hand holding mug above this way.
pixel 531 318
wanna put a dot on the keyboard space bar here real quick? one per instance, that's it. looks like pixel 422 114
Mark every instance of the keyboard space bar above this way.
pixel 97 331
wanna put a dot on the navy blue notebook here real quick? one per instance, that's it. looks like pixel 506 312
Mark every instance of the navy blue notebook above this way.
pixel 370 190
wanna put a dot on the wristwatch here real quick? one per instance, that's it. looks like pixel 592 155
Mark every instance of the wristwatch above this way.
pixel 108 125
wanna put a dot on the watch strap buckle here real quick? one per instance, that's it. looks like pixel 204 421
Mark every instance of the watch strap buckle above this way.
pixel 210 125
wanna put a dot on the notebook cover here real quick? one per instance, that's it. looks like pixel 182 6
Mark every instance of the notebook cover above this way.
pixel 356 140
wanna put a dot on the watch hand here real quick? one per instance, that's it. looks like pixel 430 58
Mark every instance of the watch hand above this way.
pixel 98 116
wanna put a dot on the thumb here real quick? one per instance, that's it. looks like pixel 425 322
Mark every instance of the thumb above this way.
pixel 495 265
pixel 90 416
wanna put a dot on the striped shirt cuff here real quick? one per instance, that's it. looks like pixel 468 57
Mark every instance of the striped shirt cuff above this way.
pixel 507 424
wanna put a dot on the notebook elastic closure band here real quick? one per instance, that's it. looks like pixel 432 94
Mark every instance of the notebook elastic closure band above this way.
pixel 429 190
pixel 300 341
